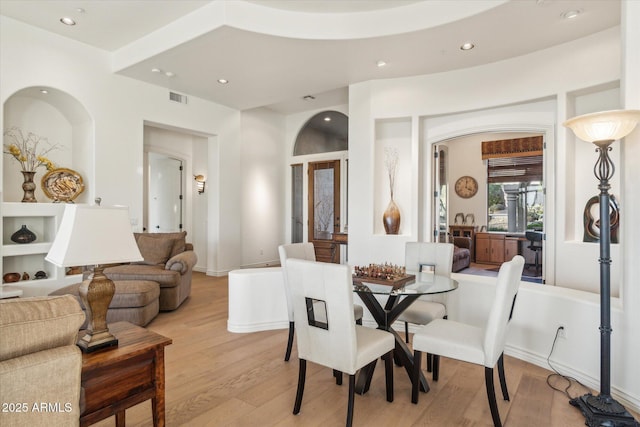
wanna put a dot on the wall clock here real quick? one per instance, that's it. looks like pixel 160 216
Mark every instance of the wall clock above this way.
pixel 466 187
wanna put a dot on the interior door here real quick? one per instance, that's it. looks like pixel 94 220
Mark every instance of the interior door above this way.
pixel 165 194
pixel 440 193
pixel 324 209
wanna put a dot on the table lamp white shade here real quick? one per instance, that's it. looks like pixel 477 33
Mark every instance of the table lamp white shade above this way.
pixel 605 125
pixel 93 235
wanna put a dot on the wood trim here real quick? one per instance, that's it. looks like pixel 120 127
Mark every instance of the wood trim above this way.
pixel 517 147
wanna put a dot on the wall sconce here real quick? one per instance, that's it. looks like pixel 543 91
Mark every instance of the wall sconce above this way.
pixel 201 181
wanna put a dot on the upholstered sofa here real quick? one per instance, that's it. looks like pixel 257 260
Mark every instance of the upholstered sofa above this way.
pixel 40 364
pixel 461 253
pixel 168 261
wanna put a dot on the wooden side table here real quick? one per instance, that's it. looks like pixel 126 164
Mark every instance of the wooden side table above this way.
pixel 118 378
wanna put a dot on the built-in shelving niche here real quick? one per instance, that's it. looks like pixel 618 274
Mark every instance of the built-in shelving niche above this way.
pixel 393 134
pixel 64 121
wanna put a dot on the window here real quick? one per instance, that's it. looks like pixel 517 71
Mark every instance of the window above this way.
pixel 515 194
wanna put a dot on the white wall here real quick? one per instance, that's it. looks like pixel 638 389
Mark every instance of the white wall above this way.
pixel 119 107
pixel 263 201
pixel 505 96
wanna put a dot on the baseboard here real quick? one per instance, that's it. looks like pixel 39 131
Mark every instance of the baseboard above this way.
pixel 271 263
pixel 624 398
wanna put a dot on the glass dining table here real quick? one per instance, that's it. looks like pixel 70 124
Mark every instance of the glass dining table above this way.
pixel 397 301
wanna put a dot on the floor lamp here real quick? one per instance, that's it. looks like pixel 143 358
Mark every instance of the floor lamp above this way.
pixel 602 129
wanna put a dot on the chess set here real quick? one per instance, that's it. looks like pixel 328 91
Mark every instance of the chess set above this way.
pixel 383 274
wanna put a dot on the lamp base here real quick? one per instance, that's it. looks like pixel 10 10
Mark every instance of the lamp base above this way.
pixel 603 411
pixel 89 344
pixel 96 294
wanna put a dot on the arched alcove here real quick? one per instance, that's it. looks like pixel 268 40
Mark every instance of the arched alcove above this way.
pixel 60 118
pixel 325 132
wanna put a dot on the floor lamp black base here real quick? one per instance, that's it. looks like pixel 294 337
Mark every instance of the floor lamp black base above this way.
pixel 603 411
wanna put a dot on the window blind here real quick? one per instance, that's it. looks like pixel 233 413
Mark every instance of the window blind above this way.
pixel 513 160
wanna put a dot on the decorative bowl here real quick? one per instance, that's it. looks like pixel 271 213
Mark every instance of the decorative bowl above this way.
pixel 11 277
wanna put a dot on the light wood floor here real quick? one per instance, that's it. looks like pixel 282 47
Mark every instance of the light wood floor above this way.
pixel 218 378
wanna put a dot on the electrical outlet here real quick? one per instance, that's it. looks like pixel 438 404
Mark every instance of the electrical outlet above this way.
pixel 562 332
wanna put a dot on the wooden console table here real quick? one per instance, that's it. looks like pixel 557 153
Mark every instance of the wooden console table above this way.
pixel 118 378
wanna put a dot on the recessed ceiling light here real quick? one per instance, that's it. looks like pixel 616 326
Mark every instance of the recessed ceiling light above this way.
pixel 223 81
pixel 571 14
pixel 327 119
pixel 169 74
pixel 381 63
pixel 467 46
pixel 80 10
pixel 67 21
pixel 308 97
pixel 156 70
pixel 44 91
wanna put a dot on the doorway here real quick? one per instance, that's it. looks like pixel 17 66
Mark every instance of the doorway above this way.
pixel 165 196
pixel 324 209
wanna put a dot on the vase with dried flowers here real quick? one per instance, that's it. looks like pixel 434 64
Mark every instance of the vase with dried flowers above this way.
pixel 391 215
pixel 29 151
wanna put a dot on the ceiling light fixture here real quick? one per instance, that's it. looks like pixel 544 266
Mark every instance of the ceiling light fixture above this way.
pixel 308 97
pixel 67 21
pixel 169 74
pixel 44 91
pixel 571 14
pixel 156 70
pixel 467 46
pixel 80 10
pixel 381 63
pixel 223 81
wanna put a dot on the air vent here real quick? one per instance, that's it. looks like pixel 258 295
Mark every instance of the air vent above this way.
pixel 176 97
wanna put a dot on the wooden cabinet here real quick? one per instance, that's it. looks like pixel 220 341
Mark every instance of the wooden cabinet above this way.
pixel 490 248
pixel 510 248
pixel 465 231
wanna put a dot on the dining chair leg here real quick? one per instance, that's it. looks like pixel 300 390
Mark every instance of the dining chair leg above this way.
pixel 415 376
pixel 287 355
pixel 429 362
pixel 491 395
pixel 503 382
pixel 388 374
pixel 352 390
pixel 338 375
pixel 370 368
pixel 406 332
pixel 359 321
pixel 301 377
pixel 436 367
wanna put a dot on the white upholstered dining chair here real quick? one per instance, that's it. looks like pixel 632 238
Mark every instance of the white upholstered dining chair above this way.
pixel 326 332
pixel 438 257
pixel 301 251
pixel 473 344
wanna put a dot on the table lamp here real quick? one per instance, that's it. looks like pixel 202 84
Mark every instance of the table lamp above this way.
pixel 602 129
pixel 95 236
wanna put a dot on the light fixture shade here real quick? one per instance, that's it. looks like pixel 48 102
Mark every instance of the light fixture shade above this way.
pixel 93 235
pixel 605 125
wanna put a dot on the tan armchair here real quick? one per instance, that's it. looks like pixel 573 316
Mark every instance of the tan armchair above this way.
pixel 168 260
pixel 40 364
